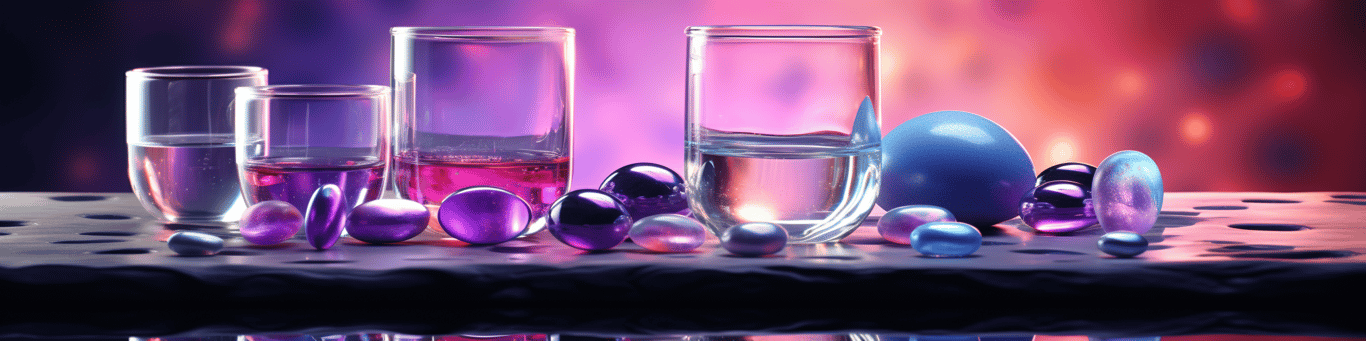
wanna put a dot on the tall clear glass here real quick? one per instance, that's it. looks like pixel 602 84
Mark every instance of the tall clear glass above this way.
pixel 483 106
pixel 180 144
pixel 783 126
pixel 293 139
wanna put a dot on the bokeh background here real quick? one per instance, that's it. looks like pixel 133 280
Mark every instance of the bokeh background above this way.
pixel 1226 95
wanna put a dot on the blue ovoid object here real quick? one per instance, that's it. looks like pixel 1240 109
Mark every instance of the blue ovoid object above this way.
pixel 1123 244
pixel 647 189
pixel 962 162
pixel 896 225
pixel 1077 172
pixel 946 239
pixel 589 219
pixel 1127 192
pixel 187 243
pixel 325 216
pixel 1058 206
pixel 754 239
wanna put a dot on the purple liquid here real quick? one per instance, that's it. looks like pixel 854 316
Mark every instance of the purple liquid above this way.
pixel 294 181
pixel 186 177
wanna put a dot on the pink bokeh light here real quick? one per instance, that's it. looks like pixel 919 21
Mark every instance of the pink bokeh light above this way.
pixel 1232 95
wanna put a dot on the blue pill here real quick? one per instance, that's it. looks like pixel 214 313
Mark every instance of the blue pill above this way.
pixel 946 239
pixel 960 161
pixel 1123 244
pixel 754 239
pixel 188 243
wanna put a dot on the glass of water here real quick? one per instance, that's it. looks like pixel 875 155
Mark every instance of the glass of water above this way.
pixel 180 143
pixel 293 139
pixel 783 126
pixel 483 106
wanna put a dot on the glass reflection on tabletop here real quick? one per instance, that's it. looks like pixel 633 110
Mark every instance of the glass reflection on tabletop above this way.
pixel 822 253
pixel 789 337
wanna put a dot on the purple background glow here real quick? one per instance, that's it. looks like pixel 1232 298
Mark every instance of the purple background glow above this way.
pixel 1230 95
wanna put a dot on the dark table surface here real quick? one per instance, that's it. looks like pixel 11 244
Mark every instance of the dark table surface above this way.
pixel 83 264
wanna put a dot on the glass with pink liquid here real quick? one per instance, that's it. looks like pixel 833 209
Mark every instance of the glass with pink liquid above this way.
pixel 293 139
pixel 180 144
pixel 483 106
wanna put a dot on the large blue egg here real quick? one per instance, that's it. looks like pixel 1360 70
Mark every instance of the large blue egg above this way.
pixel 962 162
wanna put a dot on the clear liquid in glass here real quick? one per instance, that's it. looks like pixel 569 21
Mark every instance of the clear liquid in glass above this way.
pixel 187 178
pixel 816 186
pixel 293 180
pixel 429 180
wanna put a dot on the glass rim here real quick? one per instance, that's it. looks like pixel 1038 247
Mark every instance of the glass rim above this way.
pixel 312 90
pixel 482 31
pixel 784 31
pixel 197 72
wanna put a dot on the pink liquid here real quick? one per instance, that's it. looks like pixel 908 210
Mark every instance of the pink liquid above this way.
pixel 295 181
pixel 428 181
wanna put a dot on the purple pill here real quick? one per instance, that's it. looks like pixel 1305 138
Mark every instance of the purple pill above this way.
pixel 668 233
pixel 1058 206
pixel 325 217
pixel 647 189
pixel 387 221
pixel 270 222
pixel 754 239
pixel 1077 172
pixel 484 215
pixel 589 219
pixel 897 224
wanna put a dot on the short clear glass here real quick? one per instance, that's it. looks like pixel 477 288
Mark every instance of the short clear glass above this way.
pixel 483 106
pixel 180 144
pixel 783 126
pixel 293 139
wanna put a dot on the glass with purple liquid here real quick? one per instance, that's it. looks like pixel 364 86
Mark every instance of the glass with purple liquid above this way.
pixel 483 106
pixel 180 142
pixel 293 139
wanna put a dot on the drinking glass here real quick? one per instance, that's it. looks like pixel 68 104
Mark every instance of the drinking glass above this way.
pixel 483 106
pixel 783 127
pixel 180 145
pixel 293 139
